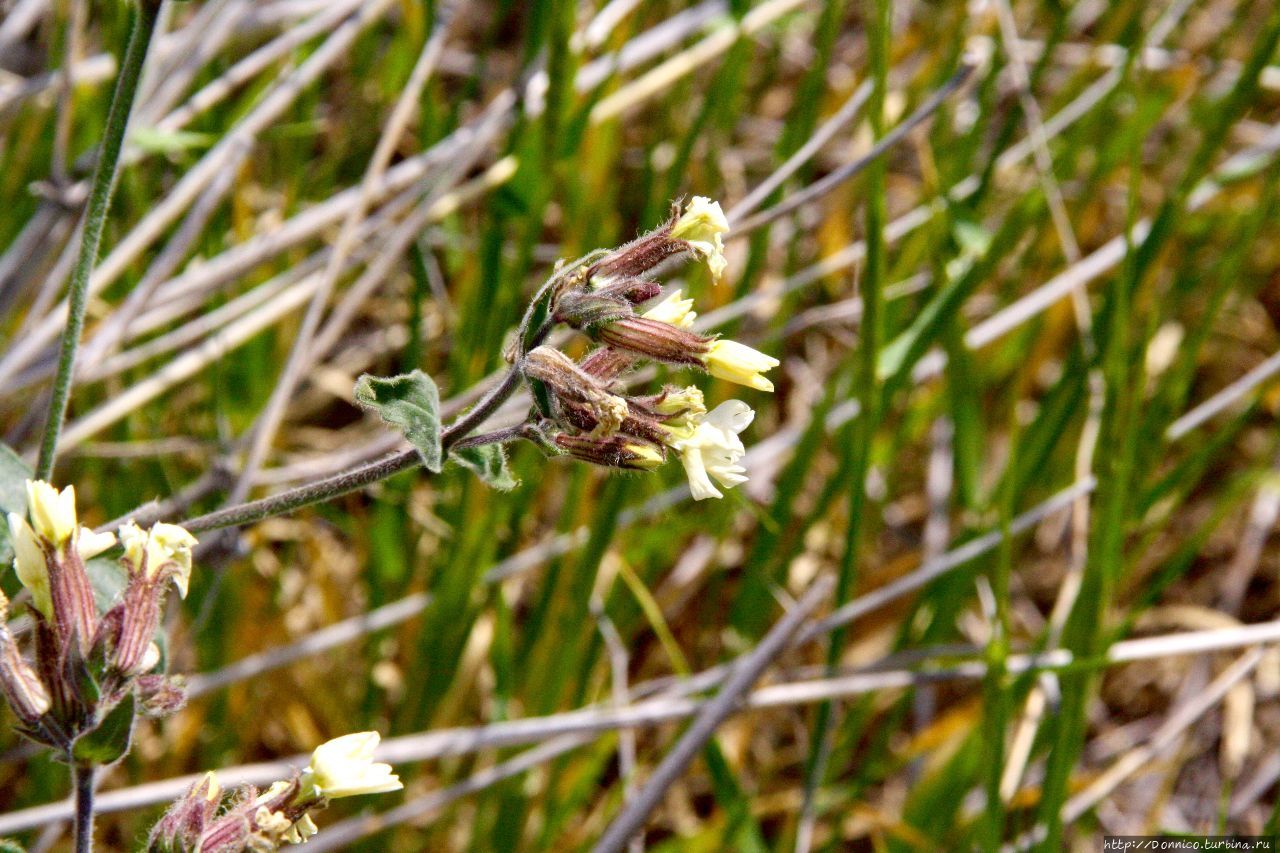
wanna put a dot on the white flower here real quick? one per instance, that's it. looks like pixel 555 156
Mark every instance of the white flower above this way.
pixel 735 362
pixel 700 226
pixel 53 513
pixel 303 829
pixel 673 310
pixel 163 545
pixel 711 449
pixel 344 767
pixel 29 562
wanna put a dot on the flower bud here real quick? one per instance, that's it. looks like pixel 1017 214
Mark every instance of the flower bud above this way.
pixel 75 613
pixel 652 339
pixel 582 400
pixel 616 451
pixel 636 258
pixel 186 820
pixel 231 833
pixel 344 767
pixel 22 688
pixel 606 363
pixel 161 696
pixel 580 309
pixel 735 362
pixel 636 291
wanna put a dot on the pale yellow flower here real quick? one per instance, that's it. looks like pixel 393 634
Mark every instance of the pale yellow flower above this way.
pixel 700 226
pixel 29 562
pixel 739 363
pixel 163 545
pixel 52 512
pixel 344 767
pixel 674 310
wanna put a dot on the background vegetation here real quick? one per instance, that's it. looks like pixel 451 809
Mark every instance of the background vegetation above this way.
pixel 1064 367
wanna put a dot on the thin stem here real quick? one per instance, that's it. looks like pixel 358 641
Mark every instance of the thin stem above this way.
pixel 479 413
pixel 349 481
pixel 82 779
pixel 142 27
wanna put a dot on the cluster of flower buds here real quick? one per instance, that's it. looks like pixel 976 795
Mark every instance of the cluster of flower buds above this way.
pixel 91 675
pixel 582 410
pixel 209 820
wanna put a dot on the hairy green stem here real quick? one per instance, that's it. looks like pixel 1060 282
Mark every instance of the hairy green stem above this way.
pixel 349 481
pixel 82 780
pixel 457 435
pixel 142 26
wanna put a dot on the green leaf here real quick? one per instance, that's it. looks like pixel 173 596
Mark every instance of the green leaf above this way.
pixel 8 845
pixel 489 463
pixel 109 741
pixel 411 403
pixel 13 495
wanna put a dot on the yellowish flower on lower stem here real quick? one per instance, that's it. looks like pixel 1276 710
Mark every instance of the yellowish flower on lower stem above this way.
pixel 711 450
pixel 344 767
pixel 739 363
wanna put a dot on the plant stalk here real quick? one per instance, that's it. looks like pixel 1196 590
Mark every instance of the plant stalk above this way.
pixel 142 26
pixel 82 779
pixel 349 481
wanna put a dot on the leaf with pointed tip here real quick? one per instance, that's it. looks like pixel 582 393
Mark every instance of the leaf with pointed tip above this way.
pixel 411 403
pixel 109 741
pixel 489 463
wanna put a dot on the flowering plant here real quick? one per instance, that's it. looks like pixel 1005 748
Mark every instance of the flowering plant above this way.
pixel 207 820
pixel 91 674
pixel 584 409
